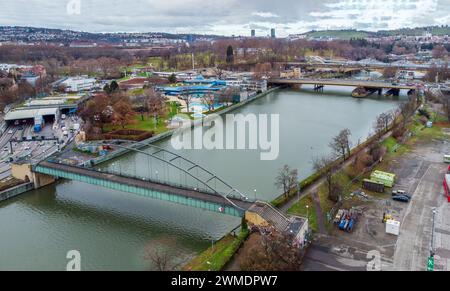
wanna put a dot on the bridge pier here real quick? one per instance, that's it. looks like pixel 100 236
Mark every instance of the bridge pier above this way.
pixel 318 87
pixel 25 173
pixel 393 92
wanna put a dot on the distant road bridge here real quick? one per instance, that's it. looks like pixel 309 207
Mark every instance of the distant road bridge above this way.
pixel 341 82
pixel 355 66
pixel 205 196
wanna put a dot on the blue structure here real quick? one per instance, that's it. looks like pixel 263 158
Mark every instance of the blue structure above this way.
pixel 198 86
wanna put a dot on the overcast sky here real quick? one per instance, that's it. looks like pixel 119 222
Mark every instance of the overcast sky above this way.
pixel 226 17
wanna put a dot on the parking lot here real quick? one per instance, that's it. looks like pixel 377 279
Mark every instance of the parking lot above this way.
pixel 25 143
pixel 420 173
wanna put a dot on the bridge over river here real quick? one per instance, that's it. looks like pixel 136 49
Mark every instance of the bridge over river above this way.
pixel 342 82
pixel 197 187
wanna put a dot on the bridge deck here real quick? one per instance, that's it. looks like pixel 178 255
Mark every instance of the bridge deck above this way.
pixel 188 193
pixel 345 83
pixel 411 67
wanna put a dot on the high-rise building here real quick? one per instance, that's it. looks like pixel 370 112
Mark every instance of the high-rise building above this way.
pixel 253 33
pixel 272 33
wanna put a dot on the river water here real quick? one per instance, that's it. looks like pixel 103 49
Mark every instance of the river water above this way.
pixel 114 231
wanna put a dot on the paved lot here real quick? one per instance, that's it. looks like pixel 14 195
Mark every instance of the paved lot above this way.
pixel 425 181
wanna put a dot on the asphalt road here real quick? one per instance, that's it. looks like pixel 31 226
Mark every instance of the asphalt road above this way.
pixel 35 151
pixel 425 182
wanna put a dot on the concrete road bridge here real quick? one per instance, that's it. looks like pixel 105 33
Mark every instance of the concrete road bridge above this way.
pixel 355 66
pixel 341 82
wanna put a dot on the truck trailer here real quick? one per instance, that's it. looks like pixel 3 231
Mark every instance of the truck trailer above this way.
pixel 373 186
pixel 446 184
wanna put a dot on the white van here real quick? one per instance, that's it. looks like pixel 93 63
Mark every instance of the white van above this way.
pixel 447 159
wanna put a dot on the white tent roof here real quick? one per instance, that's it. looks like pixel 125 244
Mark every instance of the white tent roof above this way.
pixel 30 113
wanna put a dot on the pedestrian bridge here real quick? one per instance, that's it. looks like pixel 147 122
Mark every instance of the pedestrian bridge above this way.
pixel 206 195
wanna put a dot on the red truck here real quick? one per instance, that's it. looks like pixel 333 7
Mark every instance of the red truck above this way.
pixel 447 184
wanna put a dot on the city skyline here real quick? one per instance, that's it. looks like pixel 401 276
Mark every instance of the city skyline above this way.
pixel 230 17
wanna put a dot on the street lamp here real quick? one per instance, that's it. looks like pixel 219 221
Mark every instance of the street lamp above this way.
pixel 432 253
pixel 307 211
pixel 157 173
pixel 255 194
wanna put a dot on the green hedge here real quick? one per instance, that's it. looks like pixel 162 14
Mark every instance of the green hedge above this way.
pixel 218 257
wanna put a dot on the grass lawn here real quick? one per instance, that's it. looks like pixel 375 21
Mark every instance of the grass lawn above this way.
pixel 217 256
pixel 148 124
pixel 300 209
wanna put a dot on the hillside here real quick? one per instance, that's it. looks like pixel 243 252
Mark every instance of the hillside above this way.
pixel 351 33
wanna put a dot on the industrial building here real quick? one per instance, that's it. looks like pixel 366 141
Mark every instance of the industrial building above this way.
pixel 76 84
pixel 29 116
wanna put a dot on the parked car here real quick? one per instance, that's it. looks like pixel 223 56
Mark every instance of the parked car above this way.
pixel 401 193
pixel 10 131
pixel 401 198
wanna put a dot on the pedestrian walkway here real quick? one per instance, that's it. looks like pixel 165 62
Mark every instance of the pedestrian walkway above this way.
pixel 319 213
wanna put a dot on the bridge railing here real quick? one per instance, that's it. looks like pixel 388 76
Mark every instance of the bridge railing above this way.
pixel 150 180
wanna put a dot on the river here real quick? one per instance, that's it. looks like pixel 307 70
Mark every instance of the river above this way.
pixel 114 230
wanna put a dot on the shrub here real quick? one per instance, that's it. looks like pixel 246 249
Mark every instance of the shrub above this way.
pixel 128 134
pixel 398 133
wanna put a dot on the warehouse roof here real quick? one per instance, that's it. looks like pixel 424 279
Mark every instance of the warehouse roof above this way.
pixel 29 113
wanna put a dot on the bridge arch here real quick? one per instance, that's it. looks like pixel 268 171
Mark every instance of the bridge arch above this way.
pixel 188 170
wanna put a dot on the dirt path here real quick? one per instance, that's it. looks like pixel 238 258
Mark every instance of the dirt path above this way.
pixel 319 213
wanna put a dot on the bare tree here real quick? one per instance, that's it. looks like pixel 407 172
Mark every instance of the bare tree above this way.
pixel 379 127
pixel 219 72
pixel 209 100
pixel 156 105
pixel 439 52
pixel 326 166
pixel 164 254
pixel 123 113
pixel 407 110
pixel 446 103
pixel 287 179
pixel 187 98
pixel 390 73
pixel 226 95
pixel 276 252
pixel 341 143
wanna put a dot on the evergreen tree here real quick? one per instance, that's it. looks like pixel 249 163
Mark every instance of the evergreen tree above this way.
pixel 230 55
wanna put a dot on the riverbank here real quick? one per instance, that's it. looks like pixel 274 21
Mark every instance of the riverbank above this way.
pixel 417 162
pixel 167 134
pixel 314 198
pixel 216 257
pixel 15 189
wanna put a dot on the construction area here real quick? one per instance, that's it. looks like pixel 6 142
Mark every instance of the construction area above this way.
pixel 392 230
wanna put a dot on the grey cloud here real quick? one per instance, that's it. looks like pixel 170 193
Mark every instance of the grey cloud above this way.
pixel 202 16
